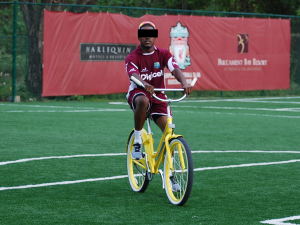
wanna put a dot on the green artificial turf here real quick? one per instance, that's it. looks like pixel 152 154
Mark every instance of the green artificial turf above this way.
pixel 236 187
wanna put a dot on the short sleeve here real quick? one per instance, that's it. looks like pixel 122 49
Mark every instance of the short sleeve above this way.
pixel 131 65
pixel 170 61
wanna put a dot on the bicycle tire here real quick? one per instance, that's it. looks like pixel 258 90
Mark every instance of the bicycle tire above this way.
pixel 183 178
pixel 137 175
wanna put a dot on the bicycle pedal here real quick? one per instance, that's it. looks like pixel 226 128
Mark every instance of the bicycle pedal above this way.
pixel 149 176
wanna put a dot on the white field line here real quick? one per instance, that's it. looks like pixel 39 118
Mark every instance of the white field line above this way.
pixel 124 176
pixel 118 103
pixel 282 221
pixel 59 157
pixel 119 154
pixel 39 106
pixel 266 115
pixel 258 109
pixel 124 110
pixel 246 114
pixel 256 100
pixel 274 102
pixel 67 111
pixel 247 165
pixel 62 183
pixel 242 99
pixel 75 109
pixel 240 108
pixel 245 151
pixel 200 100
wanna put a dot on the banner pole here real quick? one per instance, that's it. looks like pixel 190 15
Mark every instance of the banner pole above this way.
pixel 14 51
pixel 298 58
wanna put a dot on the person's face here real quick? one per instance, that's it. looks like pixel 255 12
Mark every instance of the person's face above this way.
pixel 147 42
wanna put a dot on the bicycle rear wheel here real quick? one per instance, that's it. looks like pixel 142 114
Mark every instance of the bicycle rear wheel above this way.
pixel 182 176
pixel 136 169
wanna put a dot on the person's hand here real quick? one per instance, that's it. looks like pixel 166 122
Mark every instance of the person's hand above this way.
pixel 149 88
pixel 187 89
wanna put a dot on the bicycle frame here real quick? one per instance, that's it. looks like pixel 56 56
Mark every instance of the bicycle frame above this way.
pixel 155 158
pixel 152 159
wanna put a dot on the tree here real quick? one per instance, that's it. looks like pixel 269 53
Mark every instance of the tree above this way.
pixel 34 17
pixel 282 7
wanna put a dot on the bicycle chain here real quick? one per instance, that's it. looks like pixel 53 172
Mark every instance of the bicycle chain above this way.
pixel 146 174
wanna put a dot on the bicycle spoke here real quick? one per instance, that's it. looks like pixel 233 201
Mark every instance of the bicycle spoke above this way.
pixel 136 170
pixel 182 173
pixel 141 172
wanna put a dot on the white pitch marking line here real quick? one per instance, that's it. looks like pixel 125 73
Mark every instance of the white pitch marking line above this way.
pixel 288 97
pixel 258 109
pixel 246 114
pixel 62 183
pixel 245 101
pixel 241 99
pixel 60 157
pixel 247 165
pixel 275 102
pixel 245 151
pixel 118 103
pixel 118 154
pixel 123 176
pixel 49 106
pixel 282 221
pixel 40 106
pixel 241 108
pixel 69 111
pixel 266 115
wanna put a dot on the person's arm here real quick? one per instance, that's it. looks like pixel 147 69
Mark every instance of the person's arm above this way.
pixel 180 77
pixel 149 88
pixel 176 72
pixel 133 70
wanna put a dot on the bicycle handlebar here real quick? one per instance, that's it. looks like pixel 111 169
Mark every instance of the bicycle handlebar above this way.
pixel 139 83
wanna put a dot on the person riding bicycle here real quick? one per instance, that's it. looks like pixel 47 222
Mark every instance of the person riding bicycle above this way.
pixel 147 63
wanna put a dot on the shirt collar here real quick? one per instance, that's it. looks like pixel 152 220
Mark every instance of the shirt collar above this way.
pixel 141 53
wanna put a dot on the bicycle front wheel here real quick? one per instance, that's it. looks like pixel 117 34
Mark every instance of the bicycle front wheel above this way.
pixel 136 169
pixel 183 172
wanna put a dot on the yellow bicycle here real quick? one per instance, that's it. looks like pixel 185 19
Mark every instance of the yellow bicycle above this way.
pixel 173 152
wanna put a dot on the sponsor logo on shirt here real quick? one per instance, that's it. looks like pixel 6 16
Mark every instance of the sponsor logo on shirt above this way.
pixel 144 70
pixel 131 70
pixel 152 75
pixel 157 65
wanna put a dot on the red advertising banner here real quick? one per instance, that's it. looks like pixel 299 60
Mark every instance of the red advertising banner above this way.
pixel 84 54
